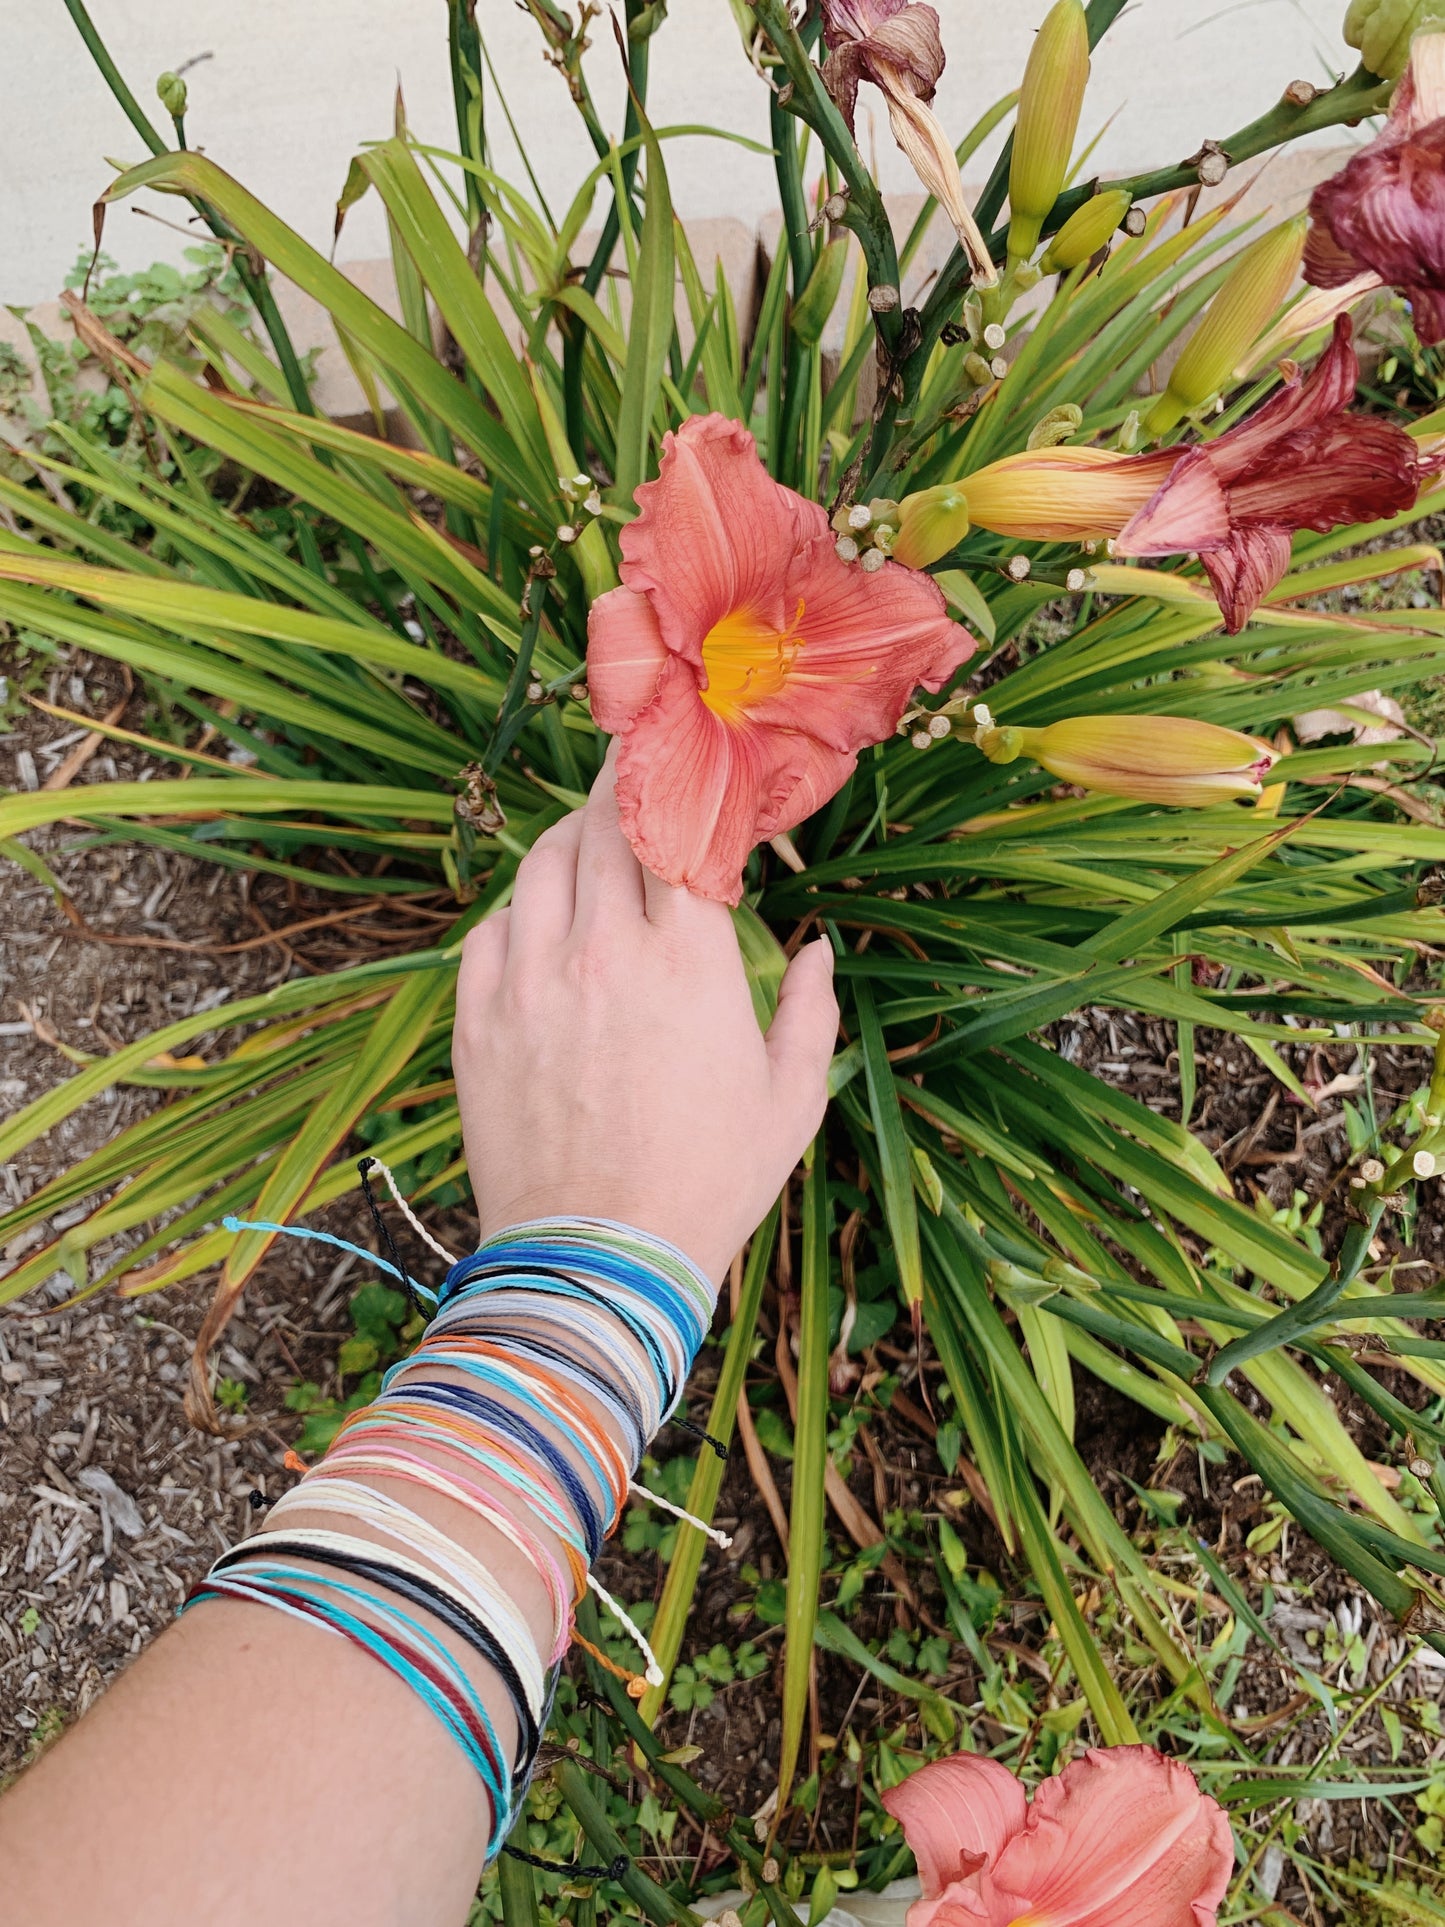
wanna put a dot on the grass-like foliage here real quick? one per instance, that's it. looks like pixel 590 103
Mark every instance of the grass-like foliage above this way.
pixel 403 659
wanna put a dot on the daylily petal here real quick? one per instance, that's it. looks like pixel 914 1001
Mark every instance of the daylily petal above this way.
pixel 1327 390
pixel 911 41
pixel 918 131
pixel 958 1815
pixel 1244 570
pixel 716 534
pixel 1188 511
pixel 1121 1838
pixel 1059 494
pixel 625 657
pixel 691 789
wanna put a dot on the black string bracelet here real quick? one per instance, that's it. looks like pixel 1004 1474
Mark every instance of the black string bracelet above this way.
pixel 685 1424
pixel 614 1869
pixel 418 1592
pixel 383 1233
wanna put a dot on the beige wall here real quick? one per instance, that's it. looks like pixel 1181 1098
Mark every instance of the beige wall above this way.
pixel 295 86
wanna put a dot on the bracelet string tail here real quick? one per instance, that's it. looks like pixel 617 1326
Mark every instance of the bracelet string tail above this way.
pixel 554 1354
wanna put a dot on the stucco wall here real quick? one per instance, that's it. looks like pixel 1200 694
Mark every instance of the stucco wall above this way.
pixel 293 87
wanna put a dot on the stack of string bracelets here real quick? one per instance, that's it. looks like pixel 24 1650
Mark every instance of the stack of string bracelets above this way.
pixel 553 1355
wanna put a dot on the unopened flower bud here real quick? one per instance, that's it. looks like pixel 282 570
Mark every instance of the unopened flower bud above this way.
pixel 1050 101
pixel 172 92
pixel 930 523
pixel 872 561
pixel 999 745
pixel 846 549
pixel 1383 29
pixel 1057 426
pixel 1086 231
pixel 1244 306
pixel 1151 759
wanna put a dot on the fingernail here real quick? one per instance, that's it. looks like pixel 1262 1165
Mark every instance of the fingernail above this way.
pixel 823 944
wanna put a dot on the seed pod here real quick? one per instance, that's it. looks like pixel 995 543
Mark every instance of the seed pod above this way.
pixel 1086 231
pixel 171 90
pixel 1257 283
pixel 1050 101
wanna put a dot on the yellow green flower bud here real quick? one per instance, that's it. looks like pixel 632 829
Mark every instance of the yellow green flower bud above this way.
pixel 1383 29
pixel 1050 101
pixel 1244 306
pixel 171 90
pixel 1086 231
pixel 930 523
pixel 1149 759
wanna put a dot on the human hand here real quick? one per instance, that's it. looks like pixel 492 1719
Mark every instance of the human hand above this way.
pixel 607 1058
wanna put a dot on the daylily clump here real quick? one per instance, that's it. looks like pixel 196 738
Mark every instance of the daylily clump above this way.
pixel 1384 212
pixel 1121 1838
pixel 742 663
pixel 1302 461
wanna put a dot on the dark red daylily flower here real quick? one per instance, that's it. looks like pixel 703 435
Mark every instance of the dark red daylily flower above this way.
pixel 896 45
pixel 1385 210
pixel 1303 461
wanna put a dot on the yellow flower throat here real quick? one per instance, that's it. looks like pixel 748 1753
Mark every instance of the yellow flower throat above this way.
pixel 746 660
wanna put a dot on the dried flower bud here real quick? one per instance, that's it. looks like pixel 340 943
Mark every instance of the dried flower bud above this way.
pixel 1050 100
pixel 1086 231
pixel 1057 426
pixel 1244 306
pixel 172 92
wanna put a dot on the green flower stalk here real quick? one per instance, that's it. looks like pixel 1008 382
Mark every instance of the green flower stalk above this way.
pixel 1234 320
pixel 1087 229
pixel 1149 759
pixel 1382 31
pixel 1050 101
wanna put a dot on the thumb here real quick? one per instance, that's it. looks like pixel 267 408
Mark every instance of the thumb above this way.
pixel 800 1039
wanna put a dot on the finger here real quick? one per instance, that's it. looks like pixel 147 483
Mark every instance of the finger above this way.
pixel 672 907
pixel 484 958
pixel 609 876
pixel 544 897
pixel 800 1039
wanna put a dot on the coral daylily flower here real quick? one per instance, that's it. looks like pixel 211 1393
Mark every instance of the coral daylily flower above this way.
pixel 1385 210
pixel 1302 461
pixel 1121 1838
pixel 742 663
pixel 896 45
